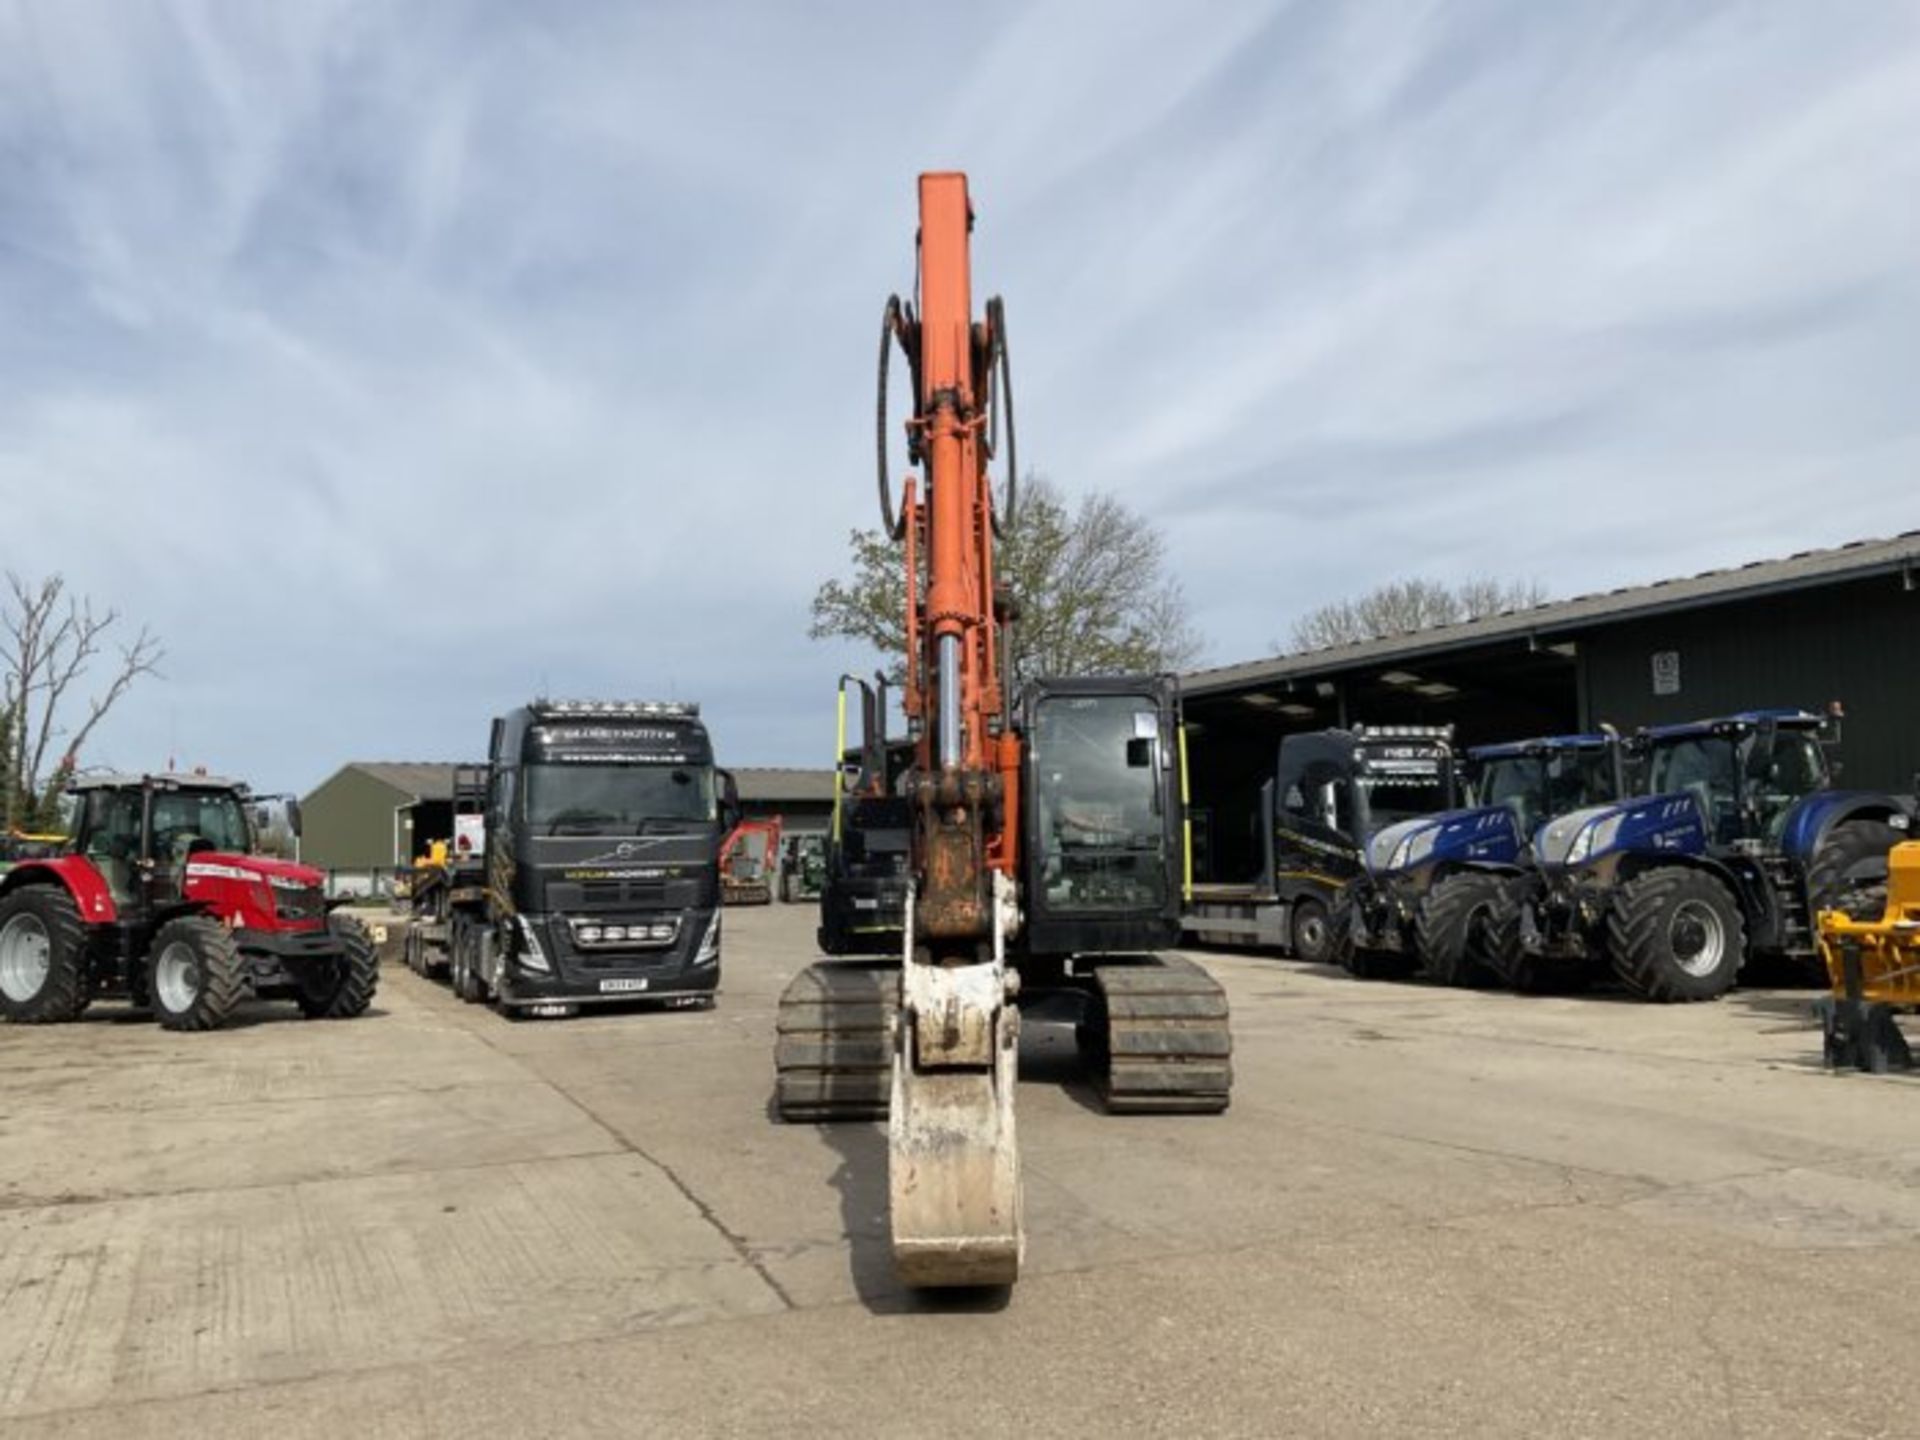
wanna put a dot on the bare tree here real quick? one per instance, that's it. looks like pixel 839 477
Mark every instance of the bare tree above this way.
pixel 1403 606
pixel 52 639
pixel 1090 581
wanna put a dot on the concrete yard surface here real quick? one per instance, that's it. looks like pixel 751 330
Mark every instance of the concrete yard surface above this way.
pixel 1428 1211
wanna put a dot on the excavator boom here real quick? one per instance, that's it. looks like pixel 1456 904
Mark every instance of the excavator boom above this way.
pixel 953 1165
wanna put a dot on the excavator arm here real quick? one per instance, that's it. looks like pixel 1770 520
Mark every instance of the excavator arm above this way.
pixel 953 1163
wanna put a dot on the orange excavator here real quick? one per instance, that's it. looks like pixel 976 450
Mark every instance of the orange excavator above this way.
pixel 1048 831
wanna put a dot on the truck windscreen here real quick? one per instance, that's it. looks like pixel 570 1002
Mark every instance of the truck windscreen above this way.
pixel 595 798
pixel 1401 782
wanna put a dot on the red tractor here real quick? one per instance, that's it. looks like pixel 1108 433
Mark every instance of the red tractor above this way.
pixel 157 897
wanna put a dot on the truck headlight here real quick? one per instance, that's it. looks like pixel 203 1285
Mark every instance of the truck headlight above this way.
pixel 531 955
pixel 709 951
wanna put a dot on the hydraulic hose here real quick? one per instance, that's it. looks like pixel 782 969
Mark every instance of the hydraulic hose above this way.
pixel 1003 397
pixel 889 327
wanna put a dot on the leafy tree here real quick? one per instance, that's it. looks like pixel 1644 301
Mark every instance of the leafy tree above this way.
pixel 49 640
pixel 1089 580
pixel 1403 606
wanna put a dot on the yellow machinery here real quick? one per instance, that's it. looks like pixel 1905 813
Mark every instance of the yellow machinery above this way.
pixel 1874 966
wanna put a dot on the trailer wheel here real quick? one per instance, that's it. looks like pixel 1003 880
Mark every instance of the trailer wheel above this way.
pixel 343 987
pixel 195 976
pixel 1676 934
pixel 1311 932
pixel 464 947
pixel 1459 929
pixel 43 947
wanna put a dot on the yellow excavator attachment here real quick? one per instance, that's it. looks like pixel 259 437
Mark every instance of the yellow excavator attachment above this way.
pixel 1873 963
pixel 953 1165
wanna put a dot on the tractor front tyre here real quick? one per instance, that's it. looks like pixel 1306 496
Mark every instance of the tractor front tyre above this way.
pixel 196 977
pixel 1345 950
pixel 1457 929
pixel 43 950
pixel 1675 934
pixel 1340 929
pixel 342 988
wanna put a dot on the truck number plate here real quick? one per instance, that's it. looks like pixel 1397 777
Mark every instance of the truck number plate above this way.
pixel 860 904
pixel 621 987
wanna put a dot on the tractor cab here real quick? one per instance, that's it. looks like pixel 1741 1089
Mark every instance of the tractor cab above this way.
pixel 1535 780
pixel 140 833
pixel 1745 773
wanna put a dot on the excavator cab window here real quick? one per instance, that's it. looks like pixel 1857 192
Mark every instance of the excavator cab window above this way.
pixel 1101 829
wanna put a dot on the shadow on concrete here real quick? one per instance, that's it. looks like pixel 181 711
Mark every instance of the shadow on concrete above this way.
pixel 119 1015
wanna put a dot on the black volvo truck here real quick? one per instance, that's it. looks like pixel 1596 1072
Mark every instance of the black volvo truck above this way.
pixel 604 825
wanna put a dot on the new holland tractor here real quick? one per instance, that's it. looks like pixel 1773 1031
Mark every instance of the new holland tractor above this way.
pixel 158 897
pixel 1736 844
pixel 1437 890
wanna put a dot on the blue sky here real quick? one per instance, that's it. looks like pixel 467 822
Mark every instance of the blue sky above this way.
pixel 399 361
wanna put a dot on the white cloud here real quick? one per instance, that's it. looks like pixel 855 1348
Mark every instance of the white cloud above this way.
pixel 397 362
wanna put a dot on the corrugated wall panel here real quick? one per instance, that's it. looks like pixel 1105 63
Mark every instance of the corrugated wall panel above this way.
pixel 1858 643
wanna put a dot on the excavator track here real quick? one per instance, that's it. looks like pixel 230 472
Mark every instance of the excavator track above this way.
pixel 1159 1038
pixel 833 1048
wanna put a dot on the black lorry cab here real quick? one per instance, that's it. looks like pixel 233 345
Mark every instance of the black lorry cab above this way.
pixel 604 826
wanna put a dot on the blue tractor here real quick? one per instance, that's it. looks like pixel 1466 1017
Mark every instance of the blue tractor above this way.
pixel 1736 843
pixel 1439 890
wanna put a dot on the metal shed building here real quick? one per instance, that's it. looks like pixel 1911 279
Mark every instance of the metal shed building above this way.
pixel 1823 626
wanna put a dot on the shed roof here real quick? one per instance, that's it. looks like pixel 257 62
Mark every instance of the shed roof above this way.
pixel 420 779
pixel 1560 617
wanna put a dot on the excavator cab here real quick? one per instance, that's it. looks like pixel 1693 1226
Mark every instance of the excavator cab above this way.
pixel 1105 842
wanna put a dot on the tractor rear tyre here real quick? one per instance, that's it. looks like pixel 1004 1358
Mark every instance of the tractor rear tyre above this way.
pixel 43 948
pixel 1676 934
pixel 195 976
pixel 342 988
pixel 1311 931
pixel 1456 929
pixel 1852 857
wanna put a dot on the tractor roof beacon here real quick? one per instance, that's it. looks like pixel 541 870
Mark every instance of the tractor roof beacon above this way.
pixel 160 897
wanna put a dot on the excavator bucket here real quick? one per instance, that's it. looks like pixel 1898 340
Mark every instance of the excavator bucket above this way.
pixel 953 1161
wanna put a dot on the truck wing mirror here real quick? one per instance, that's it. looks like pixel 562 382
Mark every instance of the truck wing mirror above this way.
pixel 730 810
pixel 293 818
